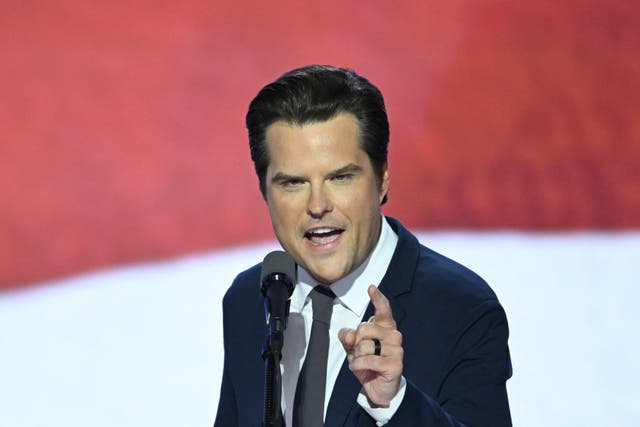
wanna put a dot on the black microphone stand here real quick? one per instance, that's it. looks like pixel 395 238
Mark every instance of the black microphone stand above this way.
pixel 276 288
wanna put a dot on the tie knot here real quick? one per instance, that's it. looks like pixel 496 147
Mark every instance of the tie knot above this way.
pixel 322 303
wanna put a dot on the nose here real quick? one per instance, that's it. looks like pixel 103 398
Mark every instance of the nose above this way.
pixel 319 201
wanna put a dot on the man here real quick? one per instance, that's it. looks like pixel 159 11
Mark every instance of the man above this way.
pixel 414 339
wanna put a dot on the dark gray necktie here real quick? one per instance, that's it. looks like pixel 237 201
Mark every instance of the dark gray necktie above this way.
pixel 308 407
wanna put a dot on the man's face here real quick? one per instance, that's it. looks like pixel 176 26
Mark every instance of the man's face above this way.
pixel 323 196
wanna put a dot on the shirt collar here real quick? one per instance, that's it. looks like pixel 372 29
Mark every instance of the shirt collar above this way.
pixel 351 290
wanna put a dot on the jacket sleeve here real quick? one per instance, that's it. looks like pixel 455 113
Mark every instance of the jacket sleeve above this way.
pixel 227 410
pixel 473 387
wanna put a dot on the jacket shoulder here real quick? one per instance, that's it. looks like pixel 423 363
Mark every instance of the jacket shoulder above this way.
pixel 246 284
pixel 426 271
pixel 446 276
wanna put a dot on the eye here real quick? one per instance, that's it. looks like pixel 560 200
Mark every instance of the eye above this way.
pixel 292 182
pixel 342 177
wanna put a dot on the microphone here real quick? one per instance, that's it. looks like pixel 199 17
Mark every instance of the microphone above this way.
pixel 277 281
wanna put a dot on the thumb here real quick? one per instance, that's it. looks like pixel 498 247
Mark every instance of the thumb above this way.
pixel 347 337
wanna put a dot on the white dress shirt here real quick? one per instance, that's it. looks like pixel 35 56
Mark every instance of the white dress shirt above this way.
pixel 348 308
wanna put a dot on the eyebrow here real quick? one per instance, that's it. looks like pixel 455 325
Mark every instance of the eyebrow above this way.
pixel 284 177
pixel 350 168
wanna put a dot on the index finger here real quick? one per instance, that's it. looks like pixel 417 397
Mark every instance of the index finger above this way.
pixel 382 312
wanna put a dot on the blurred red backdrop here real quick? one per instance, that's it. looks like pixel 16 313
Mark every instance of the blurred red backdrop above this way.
pixel 123 122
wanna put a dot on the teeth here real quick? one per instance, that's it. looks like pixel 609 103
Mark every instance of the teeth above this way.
pixel 323 235
pixel 322 230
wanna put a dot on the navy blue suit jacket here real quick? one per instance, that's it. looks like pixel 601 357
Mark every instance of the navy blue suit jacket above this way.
pixel 456 358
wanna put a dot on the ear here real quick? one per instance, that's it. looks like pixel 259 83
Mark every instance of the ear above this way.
pixel 384 183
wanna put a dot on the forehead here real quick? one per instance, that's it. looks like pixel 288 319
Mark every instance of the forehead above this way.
pixel 316 142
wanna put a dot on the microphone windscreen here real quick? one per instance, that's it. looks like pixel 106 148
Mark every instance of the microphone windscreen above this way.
pixel 278 262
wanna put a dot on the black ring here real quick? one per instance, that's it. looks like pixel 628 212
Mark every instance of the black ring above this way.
pixel 378 346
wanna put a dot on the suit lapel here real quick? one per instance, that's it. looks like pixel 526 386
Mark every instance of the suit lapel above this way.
pixel 343 407
pixel 249 363
pixel 343 397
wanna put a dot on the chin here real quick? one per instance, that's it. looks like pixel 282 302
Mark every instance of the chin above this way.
pixel 327 278
pixel 326 270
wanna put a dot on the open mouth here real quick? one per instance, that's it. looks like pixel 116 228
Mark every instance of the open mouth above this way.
pixel 323 235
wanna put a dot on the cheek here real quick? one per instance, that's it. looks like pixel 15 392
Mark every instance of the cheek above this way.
pixel 358 205
pixel 283 215
pixel 364 211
